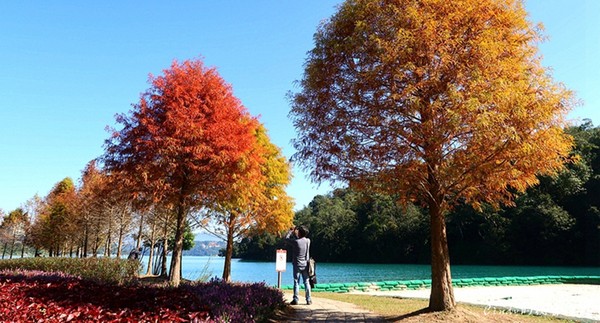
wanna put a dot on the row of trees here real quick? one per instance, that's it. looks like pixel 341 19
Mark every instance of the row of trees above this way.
pixel 187 155
pixel 554 223
pixel 433 102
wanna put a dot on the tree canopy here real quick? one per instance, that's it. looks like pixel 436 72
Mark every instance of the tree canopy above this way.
pixel 439 102
pixel 555 223
pixel 182 144
pixel 258 203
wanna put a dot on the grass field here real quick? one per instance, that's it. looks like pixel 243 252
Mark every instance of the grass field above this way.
pixel 414 310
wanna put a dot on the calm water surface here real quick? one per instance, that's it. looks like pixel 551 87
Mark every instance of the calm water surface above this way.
pixel 243 271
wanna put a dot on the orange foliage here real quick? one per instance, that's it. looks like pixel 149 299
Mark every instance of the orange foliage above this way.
pixel 183 144
pixel 434 101
pixel 413 97
pixel 255 200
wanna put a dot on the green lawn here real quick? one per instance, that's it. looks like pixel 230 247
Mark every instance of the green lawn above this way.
pixel 409 310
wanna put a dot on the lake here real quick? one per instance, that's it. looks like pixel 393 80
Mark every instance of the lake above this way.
pixel 246 271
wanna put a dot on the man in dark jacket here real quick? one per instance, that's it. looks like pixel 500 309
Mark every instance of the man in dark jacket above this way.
pixel 300 245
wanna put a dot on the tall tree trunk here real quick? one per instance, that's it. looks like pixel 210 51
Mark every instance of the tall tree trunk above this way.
pixel 165 247
pixel 12 246
pixel 175 271
pixel 151 255
pixel 4 249
pixel 86 237
pixel 22 249
pixel 228 251
pixel 12 243
pixel 442 293
pixel 138 243
pixel 120 240
pixel 108 239
pixel 96 245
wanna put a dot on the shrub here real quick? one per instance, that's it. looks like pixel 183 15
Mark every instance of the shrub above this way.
pixel 103 270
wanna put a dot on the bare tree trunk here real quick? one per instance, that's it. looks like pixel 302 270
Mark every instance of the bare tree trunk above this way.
pixel 120 239
pixel 107 248
pixel 228 250
pixel 138 243
pixel 163 270
pixel 163 263
pixel 442 293
pixel 108 239
pixel 12 243
pixel 96 245
pixel 175 271
pixel 151 255
pixel 86 237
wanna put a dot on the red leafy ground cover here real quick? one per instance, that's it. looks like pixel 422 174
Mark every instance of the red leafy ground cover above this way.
pixel 58 298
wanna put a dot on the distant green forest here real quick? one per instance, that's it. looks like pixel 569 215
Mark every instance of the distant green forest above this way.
pixel 554 223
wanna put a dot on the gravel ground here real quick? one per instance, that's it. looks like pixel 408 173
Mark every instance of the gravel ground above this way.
pixel 579 302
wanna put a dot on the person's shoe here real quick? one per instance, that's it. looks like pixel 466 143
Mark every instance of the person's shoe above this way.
pixel 308 302
pixel 294 302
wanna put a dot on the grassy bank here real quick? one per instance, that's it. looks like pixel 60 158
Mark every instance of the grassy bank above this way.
pixel 104 270
pixel 414 310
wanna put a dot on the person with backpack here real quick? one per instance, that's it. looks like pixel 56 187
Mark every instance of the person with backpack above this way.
pixel 300 245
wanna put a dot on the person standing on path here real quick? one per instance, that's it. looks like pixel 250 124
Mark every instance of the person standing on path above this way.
pixel 300 245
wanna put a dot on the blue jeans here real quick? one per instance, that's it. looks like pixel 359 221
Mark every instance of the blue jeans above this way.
pixel 304 274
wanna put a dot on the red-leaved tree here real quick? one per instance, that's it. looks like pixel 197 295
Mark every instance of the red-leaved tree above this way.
pixel 182 143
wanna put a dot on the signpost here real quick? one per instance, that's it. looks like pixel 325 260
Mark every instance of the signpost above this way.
pixel 280 264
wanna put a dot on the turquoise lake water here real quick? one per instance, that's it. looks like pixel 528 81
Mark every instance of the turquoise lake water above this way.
pixel 243 271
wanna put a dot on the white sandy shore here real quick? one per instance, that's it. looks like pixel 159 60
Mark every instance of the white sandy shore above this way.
pixel 579 302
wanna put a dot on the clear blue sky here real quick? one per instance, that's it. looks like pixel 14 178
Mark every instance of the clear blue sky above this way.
pixel 67 67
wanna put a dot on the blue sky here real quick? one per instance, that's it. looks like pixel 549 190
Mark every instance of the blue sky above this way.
pixel 67 67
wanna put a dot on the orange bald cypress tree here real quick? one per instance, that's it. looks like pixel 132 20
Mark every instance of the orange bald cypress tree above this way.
pixel 256 201
pixel 182 143
pixel 436 101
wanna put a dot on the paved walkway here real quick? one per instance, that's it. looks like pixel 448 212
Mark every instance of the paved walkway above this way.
pixel 579 302
pixel 327 310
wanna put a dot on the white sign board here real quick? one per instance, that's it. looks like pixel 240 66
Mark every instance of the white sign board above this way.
pixel 280 260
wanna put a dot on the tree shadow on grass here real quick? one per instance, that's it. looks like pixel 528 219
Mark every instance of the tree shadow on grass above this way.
pixel 408 315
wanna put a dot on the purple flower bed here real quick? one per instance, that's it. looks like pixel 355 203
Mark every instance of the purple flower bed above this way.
pixel 238 302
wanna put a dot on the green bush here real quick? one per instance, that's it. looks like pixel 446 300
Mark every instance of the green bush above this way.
pixel 104 270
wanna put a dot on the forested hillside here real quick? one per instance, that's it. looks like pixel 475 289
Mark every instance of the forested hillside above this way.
pixel 205 248
pixel 554 223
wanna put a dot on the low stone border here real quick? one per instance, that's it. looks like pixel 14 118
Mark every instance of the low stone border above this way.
pixel 463 282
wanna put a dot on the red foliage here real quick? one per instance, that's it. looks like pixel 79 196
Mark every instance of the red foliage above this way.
pixel 35 299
